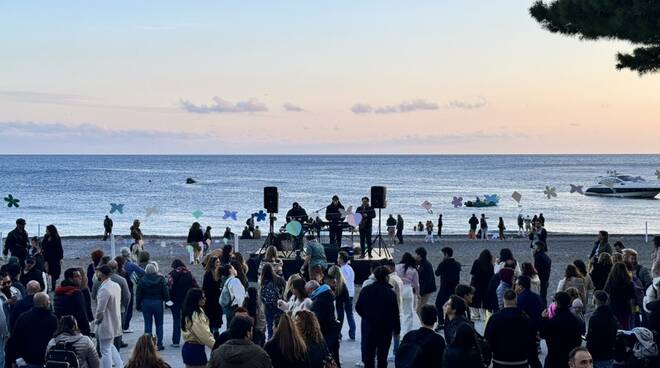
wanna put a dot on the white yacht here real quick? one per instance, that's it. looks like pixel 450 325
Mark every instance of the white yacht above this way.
pixel 624 186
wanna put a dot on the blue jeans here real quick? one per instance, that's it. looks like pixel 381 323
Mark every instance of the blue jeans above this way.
pixel 152 309
pixel 348 311
pixel 176 323
pixel 271 315
pixel 126 323
pixel 603 363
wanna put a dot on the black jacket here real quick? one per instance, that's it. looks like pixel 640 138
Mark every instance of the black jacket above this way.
pixel 17 243
pixel 368 213
pixel 399 224
pixel 151 286
pixel 599 275
pixel 179 282
pixel 332 213
pixel 562 334
pixel 53 252
pixel 34 274
pixel 491 302
pixel 453 325
pixel 481 276
pixel 391 221
pixel 297 214
pixel 69 300
pixel 457 358
pixel 31 335
pixel 542 263
pixel 511 335
pixel 432 347
pixel 449 272
pixel 323 306
pixel 601 335
pixel 378 306
pixel 426 278
pixel 195 236
pixel 474 221
pixel 19 308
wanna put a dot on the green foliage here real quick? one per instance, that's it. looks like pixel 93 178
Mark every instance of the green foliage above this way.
pixel 636 21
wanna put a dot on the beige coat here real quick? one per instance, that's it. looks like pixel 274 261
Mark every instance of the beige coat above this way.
pixel 198 330
pixel 108 311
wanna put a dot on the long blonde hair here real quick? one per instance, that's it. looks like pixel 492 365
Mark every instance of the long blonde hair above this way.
pixel 290 341
pixel 335 272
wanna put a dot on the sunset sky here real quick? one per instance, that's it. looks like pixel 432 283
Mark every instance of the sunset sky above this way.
pixel 312 77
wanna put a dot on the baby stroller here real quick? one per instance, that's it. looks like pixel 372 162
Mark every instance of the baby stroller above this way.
pixel 636 349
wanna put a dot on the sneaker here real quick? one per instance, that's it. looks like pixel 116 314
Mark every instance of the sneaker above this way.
pixel 128 331
pixel 175 345
pixel 161 348
pixel 123 345
pixel 359 364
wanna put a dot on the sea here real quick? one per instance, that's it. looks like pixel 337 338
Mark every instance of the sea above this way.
pixel 75 192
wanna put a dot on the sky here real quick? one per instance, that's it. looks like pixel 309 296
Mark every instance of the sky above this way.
pixel 312 77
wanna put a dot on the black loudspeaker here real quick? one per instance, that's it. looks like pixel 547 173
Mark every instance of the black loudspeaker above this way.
pixel 378 197
pixel 271 199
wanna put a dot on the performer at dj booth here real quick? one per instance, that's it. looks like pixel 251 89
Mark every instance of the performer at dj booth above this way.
pixel 297 213
pixel 368 213
pixel 335 218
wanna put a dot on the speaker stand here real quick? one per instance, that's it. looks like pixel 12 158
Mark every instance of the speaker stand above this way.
pixel 378 241
pixel 270 239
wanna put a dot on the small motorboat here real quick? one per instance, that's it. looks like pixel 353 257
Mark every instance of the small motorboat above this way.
pixel 489 201
pixel 623 186
pixel 191 181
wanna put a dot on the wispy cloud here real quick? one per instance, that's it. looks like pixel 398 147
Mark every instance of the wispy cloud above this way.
pixel 403 107
pixel 66 99
pixel 86 131
pixel 220 105
pixel 291 107
pixel 468 105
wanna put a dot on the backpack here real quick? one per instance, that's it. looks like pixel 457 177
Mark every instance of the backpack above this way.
pixel 270 295
pixel 62 355
pixel 484 350
pixel 409 354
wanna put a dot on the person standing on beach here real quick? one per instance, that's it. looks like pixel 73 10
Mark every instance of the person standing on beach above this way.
pixel 426 279
pixel 543 265
pixel 53 254
pixel 17 242
pixel 391 229
pixel 528 224
pixel 138 238
pixel 484 227
pixel 440 226
pixel 399 228
pixel 521 222
pixel 602 245
pixel 334 216
pixel 474 221
pixel 541 220
pixel 501 228
pixel 107 227
pixel 365 226
pixel 429 232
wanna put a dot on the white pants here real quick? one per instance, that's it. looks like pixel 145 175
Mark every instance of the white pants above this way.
pixel 407 309
pixel 110 354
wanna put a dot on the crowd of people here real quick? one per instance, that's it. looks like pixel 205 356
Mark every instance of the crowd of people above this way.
pixel 297 321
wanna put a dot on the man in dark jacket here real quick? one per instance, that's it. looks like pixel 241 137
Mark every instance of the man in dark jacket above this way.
pixel 379 309
pixel 17 242
pixel 474 221
pixel 511 335
pixel 334 216
pixel 449 272
pixel 543 264
pixel 455 309
pixel 603 327
pixel 562 333
pixel 528 301
pixel 69 300
pixel 602 245
pixel 426 278
pixel 31 272
pixel 24 304
pixel 323 306
pixel 431 345
pixel 32 332
pixel 239 351
pixel 107 227
pixel 399 228
pixel 365 226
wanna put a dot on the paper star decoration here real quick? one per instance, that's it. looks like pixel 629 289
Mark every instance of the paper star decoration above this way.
pixel 550 191
pixel 516 197
pixel 151 211
pixel 261 215
pixel 576 189
pixel 457 202
pixel 116 207
pixel 197 214
pixel 11 201
pixel 427 206
pixel 657 174
pixel 230 215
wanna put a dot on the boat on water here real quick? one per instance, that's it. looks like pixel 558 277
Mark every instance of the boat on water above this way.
pixel 190 181
pixel 623 186
pixel 488 201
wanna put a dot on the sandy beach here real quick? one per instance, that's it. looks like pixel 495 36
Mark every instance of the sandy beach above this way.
pixel 563 248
